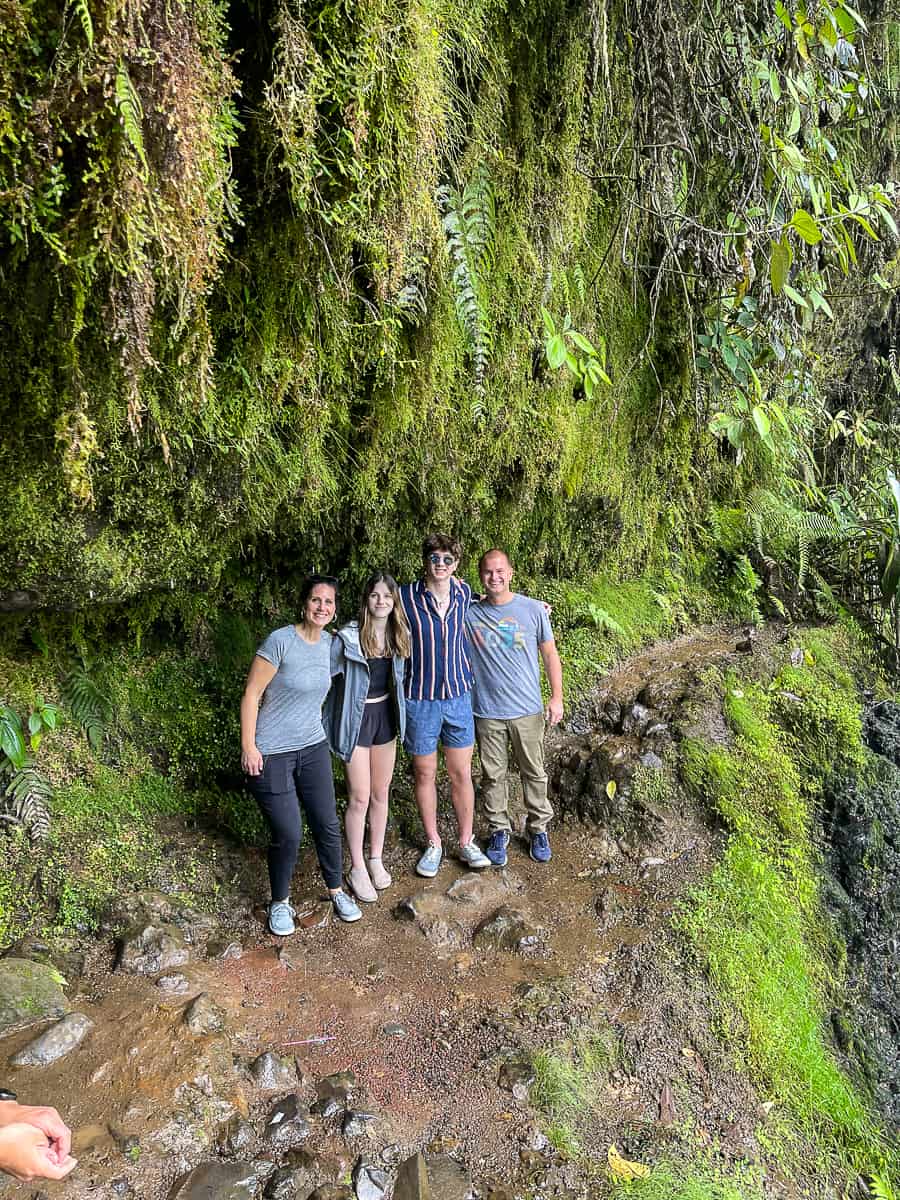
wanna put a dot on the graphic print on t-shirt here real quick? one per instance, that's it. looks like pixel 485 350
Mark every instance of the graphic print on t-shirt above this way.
pixel 503 648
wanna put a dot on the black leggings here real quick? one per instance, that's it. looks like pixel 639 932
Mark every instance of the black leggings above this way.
pixel 300 777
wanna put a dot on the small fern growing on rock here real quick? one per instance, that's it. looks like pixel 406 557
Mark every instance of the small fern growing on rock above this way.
pixel 469 221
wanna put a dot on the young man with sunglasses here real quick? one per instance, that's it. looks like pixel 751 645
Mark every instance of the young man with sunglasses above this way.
pixel 439 697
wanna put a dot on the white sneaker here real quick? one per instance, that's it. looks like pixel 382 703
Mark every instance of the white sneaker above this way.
pixel 472 857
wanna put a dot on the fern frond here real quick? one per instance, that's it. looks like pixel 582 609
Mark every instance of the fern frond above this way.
pixel 84 16
pixel 88 703
pixel 469 221
pixel 26 802
pixel 131 113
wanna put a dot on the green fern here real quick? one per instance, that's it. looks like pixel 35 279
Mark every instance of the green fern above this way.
pixel 604 622
pixel 84 16
pixel 25 799
pixel 778 524
pixel 882 1188
pixel 87 702
pixel 469 221
pixel 131 113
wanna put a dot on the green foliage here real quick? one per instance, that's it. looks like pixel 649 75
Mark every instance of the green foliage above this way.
pixel 693 1180
pixel 569 348
pixel 756 923
pixel 469 221
pixel 566 1081
pixel 87 701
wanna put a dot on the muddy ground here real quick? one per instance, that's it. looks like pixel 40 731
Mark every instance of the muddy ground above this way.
pixel 423 1015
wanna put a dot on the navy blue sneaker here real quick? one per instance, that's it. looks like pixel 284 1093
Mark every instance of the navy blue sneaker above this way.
pixel 496 847
pixel 540 848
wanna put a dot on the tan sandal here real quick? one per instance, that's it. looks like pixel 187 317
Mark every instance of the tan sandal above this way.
pixel 380 876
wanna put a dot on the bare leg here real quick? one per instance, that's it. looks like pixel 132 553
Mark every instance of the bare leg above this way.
pixel 359 785
pixel 381 762
pixel 462 793
pixel 425 771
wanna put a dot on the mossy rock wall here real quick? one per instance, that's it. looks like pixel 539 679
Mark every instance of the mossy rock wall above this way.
pixel 232 316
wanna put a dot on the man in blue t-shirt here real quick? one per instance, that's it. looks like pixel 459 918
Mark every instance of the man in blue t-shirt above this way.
pixel 507 632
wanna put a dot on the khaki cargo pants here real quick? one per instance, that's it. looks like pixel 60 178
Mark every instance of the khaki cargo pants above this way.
pixel 526 736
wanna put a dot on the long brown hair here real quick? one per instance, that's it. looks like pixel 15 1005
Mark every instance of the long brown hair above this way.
pixel 396 633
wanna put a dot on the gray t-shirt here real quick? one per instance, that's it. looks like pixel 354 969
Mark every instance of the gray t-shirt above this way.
pixel 503 648
pixel 290 715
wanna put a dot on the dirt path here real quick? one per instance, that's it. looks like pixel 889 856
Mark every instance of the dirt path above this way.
pixel 422 1014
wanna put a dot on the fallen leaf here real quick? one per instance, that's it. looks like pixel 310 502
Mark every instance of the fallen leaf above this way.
pixel 611 788
pixel 622 1169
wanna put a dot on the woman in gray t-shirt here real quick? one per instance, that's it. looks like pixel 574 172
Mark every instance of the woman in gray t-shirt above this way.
pixel 284 752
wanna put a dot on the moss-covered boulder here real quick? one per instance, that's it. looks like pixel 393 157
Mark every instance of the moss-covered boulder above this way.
pixel 29 992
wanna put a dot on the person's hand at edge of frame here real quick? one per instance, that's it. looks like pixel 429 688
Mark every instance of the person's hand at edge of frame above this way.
pixel 27 1153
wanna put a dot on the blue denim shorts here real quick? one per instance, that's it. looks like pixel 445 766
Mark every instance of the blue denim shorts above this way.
pixel 446 721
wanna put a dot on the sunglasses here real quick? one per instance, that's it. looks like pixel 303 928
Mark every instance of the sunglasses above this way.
pixel 441 560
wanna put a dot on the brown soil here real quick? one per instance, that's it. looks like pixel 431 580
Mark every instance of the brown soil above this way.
pixel 463 1011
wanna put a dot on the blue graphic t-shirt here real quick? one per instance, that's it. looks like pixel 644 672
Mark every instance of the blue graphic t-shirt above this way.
pixel 503 648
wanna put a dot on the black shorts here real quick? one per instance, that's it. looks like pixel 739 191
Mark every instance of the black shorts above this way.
pixel 379 724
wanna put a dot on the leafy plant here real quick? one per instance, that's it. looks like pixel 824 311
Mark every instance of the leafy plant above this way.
pixel 469 221
pixel 25 794
pixel 131 113
pixel 566 347
pixel 88 703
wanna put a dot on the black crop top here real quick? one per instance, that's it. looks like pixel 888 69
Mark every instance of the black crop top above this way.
pixel 379 677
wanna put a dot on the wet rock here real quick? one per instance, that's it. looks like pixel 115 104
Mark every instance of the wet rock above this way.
pixel 442 934
pixel 284 1184
pixel 224 949
pixel 157 909
pixel 29 992
pixel 121 1188
pixel 56 1042
pixel 395 1031
pixel 420 904
pixel 338 1087
pixel 151 949
pixel 369 1182
pixel 412 1180
pixel 448 1180
pixel 506 929
pixel 63 953
pixel 331 1191
pixel 438 1178
pixel 613 711
pixel 393 1155
pixel 636 719
pixel 217 1181
pixel 203 1017
pixel 286 1123
pixel 272 1071
pixel 173 985
pixel 290 957
pixel 315 918
pixel 651 760
pixel 357 1123
pixel 236 1137
pixel 477 889
pixel 517 1072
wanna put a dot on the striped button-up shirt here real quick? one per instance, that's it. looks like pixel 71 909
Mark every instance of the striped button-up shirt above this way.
pixel 439 667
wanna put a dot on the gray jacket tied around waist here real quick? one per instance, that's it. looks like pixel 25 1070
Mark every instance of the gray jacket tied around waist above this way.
pixel 346 701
